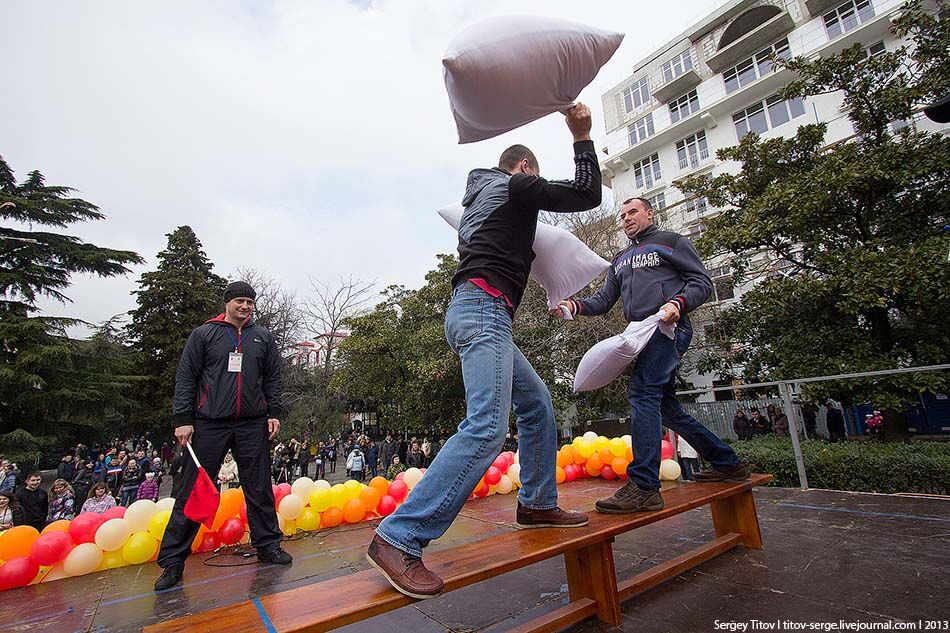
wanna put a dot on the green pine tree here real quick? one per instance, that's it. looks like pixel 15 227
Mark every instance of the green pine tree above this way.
pixel 50 383
pixel 173 300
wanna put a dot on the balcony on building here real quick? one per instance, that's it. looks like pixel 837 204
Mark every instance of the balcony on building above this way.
pixel 749 33
pixel 819 7
pixel 677 77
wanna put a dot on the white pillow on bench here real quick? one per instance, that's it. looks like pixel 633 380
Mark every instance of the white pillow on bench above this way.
pixel 504 72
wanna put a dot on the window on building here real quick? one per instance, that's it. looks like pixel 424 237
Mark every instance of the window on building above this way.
pixel 684 106
pixel 677 66
pixel 658 202
pixel 847 16
pixel 636 95
pixel 759 65
pixel 647 171
pixel 724 288
pixel 875 49
pixel 753 118
pixel 699 206
pixel 692 150
pixel 695 231
pixel 641 129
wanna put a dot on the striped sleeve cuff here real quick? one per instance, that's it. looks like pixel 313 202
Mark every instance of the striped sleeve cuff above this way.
pixel 680 302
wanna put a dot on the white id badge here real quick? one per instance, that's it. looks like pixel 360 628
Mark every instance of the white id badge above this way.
pixel 234 362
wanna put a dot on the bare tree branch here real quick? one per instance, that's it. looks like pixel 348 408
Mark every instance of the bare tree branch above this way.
pixel 330 305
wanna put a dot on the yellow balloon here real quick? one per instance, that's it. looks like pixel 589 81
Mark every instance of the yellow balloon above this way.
pixel 601 442
pixel 353 489
pixel 669 470
pixel 309 520
pixel 338 496
pixel 290 506
pixel 617 447
pixel 139 548
pixel 320 499
pixel 289 527
pixel 85 558
pixel 576 442
pixel 111 560
pixel 113 534
pixel 158 523
pixel 586 449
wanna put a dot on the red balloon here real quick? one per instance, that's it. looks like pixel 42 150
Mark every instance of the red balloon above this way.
pixel 510 456
pixel 608 473
pixel 493 476
pixel 50 548
pixel 117 512
pixel 285 488
pixel 399 476
pixel 624 476
pixel 83 528
pixel 244 512
pixel 209 542
pixel 18 572
pixel 570 472
pixel 386 506
pixel 666 450
pixel 501 463
pixel 231 531
pixel 398 490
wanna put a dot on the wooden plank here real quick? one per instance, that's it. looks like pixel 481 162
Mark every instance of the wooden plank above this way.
pixel 560 618
pixel 591 574
pixel 318 607
pixel 676 566
pixel 736 514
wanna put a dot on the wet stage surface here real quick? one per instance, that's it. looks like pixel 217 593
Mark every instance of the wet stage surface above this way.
pixel 828 556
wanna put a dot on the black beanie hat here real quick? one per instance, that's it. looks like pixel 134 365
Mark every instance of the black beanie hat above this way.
pixel 237 289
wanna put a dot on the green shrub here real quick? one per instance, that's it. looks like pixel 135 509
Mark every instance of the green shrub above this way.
pixel 922 467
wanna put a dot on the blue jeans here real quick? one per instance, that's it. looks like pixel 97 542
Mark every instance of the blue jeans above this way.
pixel 652 395
pixel 497 377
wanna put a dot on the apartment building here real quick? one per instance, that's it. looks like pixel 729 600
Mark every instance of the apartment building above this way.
pixel 713 84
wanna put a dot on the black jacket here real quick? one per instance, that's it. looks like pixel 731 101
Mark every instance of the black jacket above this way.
pixel 35 506
pixel 658 267
pixel 206 390
pixel 496 233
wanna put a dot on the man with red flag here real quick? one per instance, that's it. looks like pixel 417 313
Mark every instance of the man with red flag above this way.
pixel 227 396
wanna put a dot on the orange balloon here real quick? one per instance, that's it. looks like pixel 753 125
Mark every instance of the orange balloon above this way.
pixel 57 526
pixel 605 455
pixel 629 454
pixel 577 457
pixel 381 484
pixel 353 511
pixel 17 541
pixel 559 475
pixel 331 517
pixel 594 464
pixel 370 497
pixel 619 465
pixel 564 456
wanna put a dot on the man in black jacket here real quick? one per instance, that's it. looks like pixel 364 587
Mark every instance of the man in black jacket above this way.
pixel 227 396
pixel 496 237
pixel 659 270
pixel 34 501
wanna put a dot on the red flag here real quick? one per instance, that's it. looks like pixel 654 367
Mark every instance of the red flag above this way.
pixel 202 502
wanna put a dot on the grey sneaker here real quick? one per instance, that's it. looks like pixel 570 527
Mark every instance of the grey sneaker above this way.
pixel 630 499
pixel 739 472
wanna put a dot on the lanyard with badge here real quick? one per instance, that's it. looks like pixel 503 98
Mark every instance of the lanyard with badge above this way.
pixel 235 358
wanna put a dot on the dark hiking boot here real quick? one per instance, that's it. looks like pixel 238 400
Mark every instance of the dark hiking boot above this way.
pixel 555 517
pixel 275 555
pixel 739 472
pixel 629 499
pixel 170 577
pixel 405 572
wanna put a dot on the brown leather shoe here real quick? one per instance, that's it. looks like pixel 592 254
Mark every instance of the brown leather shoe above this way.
pixel 405 572
pixel 555 517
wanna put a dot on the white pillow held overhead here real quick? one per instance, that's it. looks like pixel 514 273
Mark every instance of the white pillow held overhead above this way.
pixel 606 360
pixel 563 264
pixel 504 72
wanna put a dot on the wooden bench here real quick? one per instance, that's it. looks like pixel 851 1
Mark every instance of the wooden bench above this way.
pixel 588 557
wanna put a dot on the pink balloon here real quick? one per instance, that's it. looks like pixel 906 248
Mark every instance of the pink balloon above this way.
pixel 666 450
pixel 398 490
pixel 493 476
pixel 608 473
pixel 18 572
pixel 570 472
pixel 83 528
pixel 501 463
pixel 50 548
pixel 284 487
pixel 399 476
pixel 117 512
pixel 386 506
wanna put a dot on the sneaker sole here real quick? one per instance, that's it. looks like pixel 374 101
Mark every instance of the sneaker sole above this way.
pixel 652 508
pixel 405 592
pixel 522 526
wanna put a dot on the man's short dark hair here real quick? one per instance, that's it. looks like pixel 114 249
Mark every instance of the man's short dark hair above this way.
pixel 514 155
pixel 646 203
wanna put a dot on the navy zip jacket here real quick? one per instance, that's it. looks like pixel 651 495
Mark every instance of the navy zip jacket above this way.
pixel 496 233
pixel 206 390
pixel 658 267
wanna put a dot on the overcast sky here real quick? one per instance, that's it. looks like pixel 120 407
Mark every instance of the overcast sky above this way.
pixel 297 138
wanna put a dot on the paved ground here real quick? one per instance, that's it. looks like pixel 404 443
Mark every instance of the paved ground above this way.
pixel 828 557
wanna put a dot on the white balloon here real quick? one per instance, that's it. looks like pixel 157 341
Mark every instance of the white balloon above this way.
pixel 322 484
pixel 412 477
pixel 140 513
pixel 514 474
pixel 505 485
pixel 168 503
pixel 303 487
pixel 669 470
pixel 84 559
pixel 113 534
pixel 590 436
pixel 291 506
pixel 627 440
